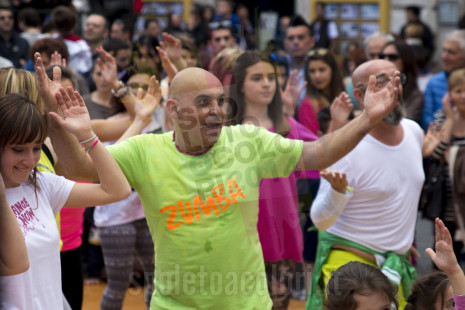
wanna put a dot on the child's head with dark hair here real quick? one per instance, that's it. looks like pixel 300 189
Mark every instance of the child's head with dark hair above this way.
pixel 298 20
pixel 46 47
pixel 430 292
pixel 64 19
pixel 29 17
pixel 357 284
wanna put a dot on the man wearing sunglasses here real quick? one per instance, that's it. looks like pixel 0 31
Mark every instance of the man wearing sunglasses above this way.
pixel 325 31
pixel 453 57
pixel 12 46
pixel 374 43
pixel 372 220
pixel 221 36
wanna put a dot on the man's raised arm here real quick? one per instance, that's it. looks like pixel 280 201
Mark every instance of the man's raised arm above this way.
pixel 330 148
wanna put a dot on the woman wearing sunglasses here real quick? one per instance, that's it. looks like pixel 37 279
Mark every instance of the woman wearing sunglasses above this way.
pixel 400 54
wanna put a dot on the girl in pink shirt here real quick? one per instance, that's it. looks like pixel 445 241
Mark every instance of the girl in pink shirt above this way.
pixel 258 100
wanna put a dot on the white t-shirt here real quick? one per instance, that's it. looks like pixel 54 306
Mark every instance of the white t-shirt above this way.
pixel 333 33
pixel 121 212
pixel 386 182
pixel 39 287
pixel 124 211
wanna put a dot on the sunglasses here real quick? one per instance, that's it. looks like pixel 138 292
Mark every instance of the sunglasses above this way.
pixel 220 24
pixel 136 85
pixel 390 57
pixel 317 51
pixel 278 59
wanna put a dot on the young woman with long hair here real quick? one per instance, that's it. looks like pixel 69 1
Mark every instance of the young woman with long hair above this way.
pixel 257 98
pixel 324 84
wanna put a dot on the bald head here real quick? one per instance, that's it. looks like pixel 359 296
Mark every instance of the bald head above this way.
pixel 192 80
pixel 375 67
pixel 384 71
pixel 196 105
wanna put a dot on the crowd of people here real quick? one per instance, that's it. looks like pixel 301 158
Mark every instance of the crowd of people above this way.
pixel 219 176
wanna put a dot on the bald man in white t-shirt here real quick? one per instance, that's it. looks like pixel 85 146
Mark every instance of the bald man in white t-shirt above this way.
pixel 374 220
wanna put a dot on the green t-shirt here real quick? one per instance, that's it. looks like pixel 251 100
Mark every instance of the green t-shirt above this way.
pixel 202 213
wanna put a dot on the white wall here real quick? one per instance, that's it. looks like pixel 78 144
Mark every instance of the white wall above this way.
pixel 302 7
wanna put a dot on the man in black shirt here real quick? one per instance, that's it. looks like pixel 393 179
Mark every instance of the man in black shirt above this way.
pixel 12 46
pixel 425 34
pixel 324 31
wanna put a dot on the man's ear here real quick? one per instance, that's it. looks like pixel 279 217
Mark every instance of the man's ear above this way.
pixel 359 95
pixel 172 108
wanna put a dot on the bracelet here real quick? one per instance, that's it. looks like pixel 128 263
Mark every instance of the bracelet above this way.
pixel 87 140
pixel 121 91
pixel 92 146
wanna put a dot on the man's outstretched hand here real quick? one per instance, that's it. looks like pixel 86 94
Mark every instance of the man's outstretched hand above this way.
pixel 378 104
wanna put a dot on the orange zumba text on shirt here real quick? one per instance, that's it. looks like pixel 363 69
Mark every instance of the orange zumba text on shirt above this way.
pixel 216 203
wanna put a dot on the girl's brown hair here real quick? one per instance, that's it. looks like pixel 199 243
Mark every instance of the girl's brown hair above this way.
pixel 20 123
pixel 238 104
pixel 426 290
pixel 357 278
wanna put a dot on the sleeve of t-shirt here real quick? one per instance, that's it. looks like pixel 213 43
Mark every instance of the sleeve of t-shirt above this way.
pixel 130 157
pixel 329 203
pixel 57 188
pixel 278 155
pixel 459 302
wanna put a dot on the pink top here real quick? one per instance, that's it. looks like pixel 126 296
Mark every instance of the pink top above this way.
pixel 307 116
pixel 71 227
pixel 278 217
pixel 459 302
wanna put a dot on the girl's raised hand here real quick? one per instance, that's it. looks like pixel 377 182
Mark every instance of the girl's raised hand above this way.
pixel 291 93
pixel 444 257
pixel 167 64
pixel 447 107
pixel 75 117
pixel 47 87
pixel 432 138
pixel 146 105
pixel 108 68
pixel 341 107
